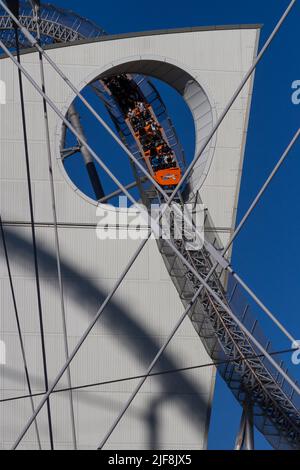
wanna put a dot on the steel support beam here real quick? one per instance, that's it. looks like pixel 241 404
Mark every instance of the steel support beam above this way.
pixel 132 185
pixel 36 8
pixel 89 162
pixel 245 437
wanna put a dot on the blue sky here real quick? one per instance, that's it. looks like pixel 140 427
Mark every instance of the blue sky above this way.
pixel 266 253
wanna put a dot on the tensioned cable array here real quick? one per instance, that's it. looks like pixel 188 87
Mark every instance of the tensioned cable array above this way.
pixel 36 268
pixel 216 255
pixel 17 317
pixel 125 272
pixel 168 199
pixel 153 374
pixel 55 223
pixel 219 259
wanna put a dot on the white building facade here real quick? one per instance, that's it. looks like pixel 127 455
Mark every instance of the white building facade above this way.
pixel 172 411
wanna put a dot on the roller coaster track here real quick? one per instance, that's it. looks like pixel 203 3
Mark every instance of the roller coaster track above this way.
pixel 56 26
pixel 275 413
pixel 276 410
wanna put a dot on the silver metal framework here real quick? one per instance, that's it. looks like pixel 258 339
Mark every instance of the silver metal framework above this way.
pixel 56 25
pixel 245 437
pixel 48 28
pixel 191 272
pixel 55 226
pixel 196 276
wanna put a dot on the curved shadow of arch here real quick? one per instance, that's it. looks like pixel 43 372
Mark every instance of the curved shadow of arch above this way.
pixel 86 293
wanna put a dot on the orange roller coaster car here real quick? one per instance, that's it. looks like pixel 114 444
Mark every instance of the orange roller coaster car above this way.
pixel 168 177
pixel 149 135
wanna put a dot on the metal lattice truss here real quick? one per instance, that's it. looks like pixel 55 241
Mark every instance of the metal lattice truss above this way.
pixel 57 32
pixel 199 279
pixel 275 413
pixel 55 25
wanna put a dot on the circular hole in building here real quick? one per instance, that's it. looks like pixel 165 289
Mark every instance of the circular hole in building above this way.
pixel 152 120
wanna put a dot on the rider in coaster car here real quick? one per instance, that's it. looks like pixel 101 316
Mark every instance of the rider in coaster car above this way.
pixel 141 107
pixel 155 162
